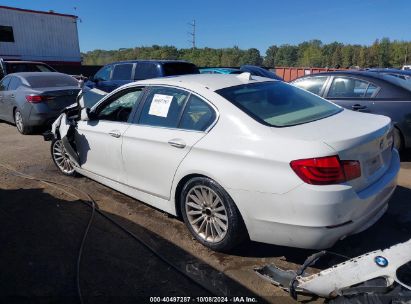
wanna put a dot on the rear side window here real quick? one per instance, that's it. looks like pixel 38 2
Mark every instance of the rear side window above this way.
pixel 179 68
pixel 146 70
pixel 4 83
pixel 198 115
pixel 163 107
pixel 49 81
pixel 346 87
pixel 370 90
pixel 312 84
pixel 278 104
pixel 14 84
pixel 122 71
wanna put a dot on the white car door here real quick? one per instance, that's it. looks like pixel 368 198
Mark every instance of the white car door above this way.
pixel 170 122
pixel 99 140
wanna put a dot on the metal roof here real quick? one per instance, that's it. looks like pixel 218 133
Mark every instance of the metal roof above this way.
pixel 37 12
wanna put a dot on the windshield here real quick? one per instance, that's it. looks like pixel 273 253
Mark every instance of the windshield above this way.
pixel 179 68
pixel 51 81
pixel 278 104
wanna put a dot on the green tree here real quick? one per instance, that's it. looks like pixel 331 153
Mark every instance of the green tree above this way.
pixel 286 55
pixel 251 56
pixel 269 59
pixel 384 53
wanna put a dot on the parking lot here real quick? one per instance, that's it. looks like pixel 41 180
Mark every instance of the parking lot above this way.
pixel 42 226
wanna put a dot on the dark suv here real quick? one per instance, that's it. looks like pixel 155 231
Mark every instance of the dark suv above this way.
pixel 114 75
pixel 8 67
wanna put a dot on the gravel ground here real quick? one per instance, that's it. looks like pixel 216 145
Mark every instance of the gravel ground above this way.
pixel 42 227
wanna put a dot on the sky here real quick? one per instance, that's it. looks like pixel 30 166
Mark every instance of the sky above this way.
pixel 118 24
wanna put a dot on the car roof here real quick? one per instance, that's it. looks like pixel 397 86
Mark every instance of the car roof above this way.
pixel 213 82
pixel 151 60
pixel 390 71
pixel 349 72
pixel 220 69
pixel 27 74
pixel 25 62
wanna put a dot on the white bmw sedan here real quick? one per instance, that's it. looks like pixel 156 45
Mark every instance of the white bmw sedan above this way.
pixel 238 157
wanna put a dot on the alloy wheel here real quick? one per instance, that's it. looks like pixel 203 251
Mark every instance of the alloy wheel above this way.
pixel 19 121
pixel 206 214
pixel 61 158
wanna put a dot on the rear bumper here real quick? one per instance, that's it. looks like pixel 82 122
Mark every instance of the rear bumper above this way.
pixel 41 119
pixel 315 217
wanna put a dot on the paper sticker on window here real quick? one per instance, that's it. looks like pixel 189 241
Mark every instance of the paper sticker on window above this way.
pixel 160 105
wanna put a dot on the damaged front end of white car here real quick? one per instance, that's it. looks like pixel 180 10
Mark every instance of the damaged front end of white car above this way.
pixel 62 133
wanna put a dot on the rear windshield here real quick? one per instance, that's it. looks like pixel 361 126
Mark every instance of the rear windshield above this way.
pixel 278 104
pixel 51 81
pixel 27 67
pixel 179 68
pixel 403 81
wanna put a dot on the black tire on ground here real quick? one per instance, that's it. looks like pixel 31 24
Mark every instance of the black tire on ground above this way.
pixel 55 147
pixel 21 124
pixel 398 142
pixel 235 232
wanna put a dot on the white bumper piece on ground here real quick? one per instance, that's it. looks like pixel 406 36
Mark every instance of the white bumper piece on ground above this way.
pixel 345 278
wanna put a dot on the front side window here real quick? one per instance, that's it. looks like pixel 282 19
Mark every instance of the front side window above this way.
pixel 119 108
pixel 312 84
pixel 104 73
pixel 198 115
pixel 278 104
pixel 6 34
pixel 163 107
pixel 346 87
pixel 4 83
pixel 122 71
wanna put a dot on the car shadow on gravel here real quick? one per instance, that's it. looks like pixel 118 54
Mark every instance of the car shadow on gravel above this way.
pixel 393 228
pixel 40 237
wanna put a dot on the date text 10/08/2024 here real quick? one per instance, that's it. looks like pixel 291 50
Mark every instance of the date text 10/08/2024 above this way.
pixel 203 300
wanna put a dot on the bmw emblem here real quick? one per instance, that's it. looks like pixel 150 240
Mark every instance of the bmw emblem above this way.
pixel 381 261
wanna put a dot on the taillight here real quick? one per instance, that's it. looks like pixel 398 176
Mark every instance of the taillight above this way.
pixel 326 170
pixel 38 98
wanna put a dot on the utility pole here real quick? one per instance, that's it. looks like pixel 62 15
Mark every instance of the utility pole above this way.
pixel 192 33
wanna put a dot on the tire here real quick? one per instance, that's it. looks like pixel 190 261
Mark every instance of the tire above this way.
pixel 211 215
pixel 398 143
pixel 20 123
pixel 61 159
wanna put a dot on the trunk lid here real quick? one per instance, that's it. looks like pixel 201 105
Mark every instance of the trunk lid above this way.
pixel 364 137
pixel 59 98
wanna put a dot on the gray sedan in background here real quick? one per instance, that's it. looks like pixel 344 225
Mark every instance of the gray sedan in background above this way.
pixel 35 99
pixel 371 92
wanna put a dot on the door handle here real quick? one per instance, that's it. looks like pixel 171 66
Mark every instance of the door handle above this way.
pixel 177 143
pixel 114 133
pixel 358 107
